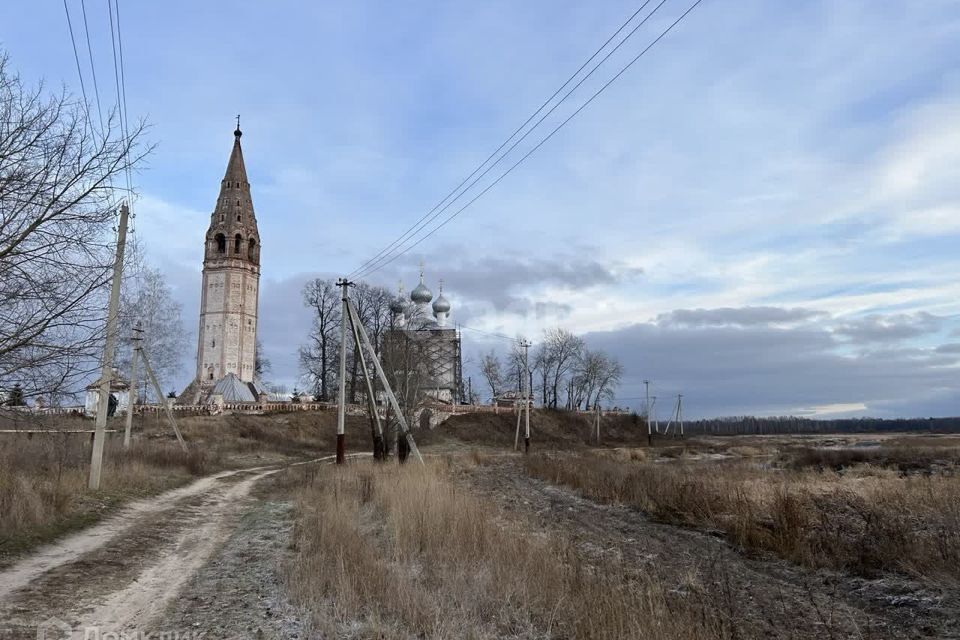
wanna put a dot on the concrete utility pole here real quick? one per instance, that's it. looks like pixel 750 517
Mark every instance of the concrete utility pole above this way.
pixel 597 408
pixel 343 283
pixel 653 411
pixel 106 371
pixel 135 339
pixel 354 318
pixel 371 400
pixel 646 384
pixel 163 401
pixel 526 395
pixel 516 434
pixel 680 412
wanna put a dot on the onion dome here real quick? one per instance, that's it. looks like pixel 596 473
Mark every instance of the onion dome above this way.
pixel 420 293
pixel 441 304
pixel 397 305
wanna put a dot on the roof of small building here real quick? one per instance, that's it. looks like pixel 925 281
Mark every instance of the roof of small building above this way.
pixel 116 384
pixel 233 389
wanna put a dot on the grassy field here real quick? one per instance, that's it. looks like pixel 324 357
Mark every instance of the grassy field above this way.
pixel 893 506
pixel 43 478
pixel 399 552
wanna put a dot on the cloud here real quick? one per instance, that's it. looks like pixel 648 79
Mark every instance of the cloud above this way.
pixel 887 328
pixel 740 317
pixel 763 369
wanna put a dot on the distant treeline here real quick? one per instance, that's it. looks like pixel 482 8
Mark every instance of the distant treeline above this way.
pixel 790 424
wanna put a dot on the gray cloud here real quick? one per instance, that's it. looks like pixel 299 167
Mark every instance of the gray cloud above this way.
pixel 887 328
pixel 507 282
pixel 951 347
pixel 749 370
pixel 742 317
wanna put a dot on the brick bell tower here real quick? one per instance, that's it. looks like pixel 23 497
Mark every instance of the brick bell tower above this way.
pixel 231 280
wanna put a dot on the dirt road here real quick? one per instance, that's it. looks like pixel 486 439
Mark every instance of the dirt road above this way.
pixel 757 597
pixel 124 575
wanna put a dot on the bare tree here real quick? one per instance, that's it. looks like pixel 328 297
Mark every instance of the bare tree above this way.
pixel 596 376
pixel 56 211
pixel 261 363
pixel 564 350
pixel 492 371
pixel 147 298
pixel 372 304
pixel 543 365
pixel 318 358
pixel 608 380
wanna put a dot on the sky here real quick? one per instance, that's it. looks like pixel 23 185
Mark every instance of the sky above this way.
pixel 763 213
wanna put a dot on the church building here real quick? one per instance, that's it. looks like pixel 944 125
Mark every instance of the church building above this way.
pixel 226 348
pixel 422 328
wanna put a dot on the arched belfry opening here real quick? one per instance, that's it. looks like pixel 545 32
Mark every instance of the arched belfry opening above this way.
pixel 252 250
pixel 221 243
pixel 237 243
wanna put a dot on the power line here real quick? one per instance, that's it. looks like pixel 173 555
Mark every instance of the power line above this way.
pixel 415 228
pixel 118 80
pixel 539 144
pixel 93 67
pixel 83 89
pixel 76 57
pixel 492 334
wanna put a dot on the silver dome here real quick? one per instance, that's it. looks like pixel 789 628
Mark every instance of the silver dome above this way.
pixel 420 294
pixel 396 306
pixel 441 304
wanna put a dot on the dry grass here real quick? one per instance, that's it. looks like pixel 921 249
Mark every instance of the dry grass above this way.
pixel 867 520
pixel 43 479
pixel 388 552
pixel 43 482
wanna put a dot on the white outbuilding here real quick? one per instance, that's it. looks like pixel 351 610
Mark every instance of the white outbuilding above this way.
pixel 120 391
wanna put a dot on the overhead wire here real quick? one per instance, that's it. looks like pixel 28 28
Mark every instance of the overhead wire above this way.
pixel 93 67
pixel 538 145
pixel 414 228
pixel 121 90
pixel 76 57
pixel 492 334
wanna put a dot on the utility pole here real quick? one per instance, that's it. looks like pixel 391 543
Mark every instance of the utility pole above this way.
pixel 371 400
pixel 135 339
pixel 646 384
pixel 526 394
pixel 680 413
pixel 355 320
pixel 163 401
pixel 469 390
pixel 597 409
pixel 343 283
pixel 653 411
pixel 106 371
